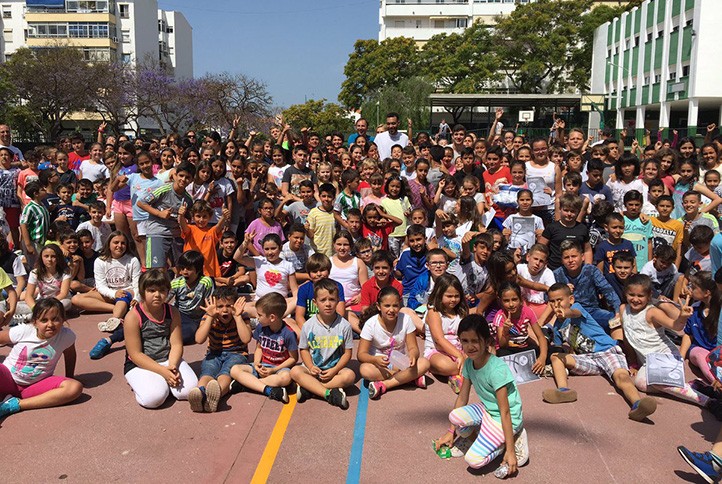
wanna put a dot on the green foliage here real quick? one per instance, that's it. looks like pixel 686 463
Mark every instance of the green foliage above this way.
pixel 409 98
pixel 320 116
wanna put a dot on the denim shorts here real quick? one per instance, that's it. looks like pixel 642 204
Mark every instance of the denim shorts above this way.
pixel 217 363
pixel 255 373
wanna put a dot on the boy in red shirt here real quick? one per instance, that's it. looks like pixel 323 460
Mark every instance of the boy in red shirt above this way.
pixel 382 264
pixel 495 175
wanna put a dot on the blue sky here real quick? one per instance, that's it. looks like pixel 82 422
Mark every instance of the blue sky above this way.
pixel 297 47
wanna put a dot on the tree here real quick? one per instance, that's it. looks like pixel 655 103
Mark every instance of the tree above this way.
pixel 50 84
pixel 373 65
pixel 320 116
pixel 117 96
pixel 236 96
pixel 461 63
pixel 538 43
pixel 409 98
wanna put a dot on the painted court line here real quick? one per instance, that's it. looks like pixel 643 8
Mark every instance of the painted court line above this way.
pixel 263 470
pixel 359 433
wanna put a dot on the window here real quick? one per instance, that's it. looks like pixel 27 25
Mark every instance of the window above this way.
pixel 161 25
pixel 124 10
pixel 672 75
pixel 685 71
pixel 657 78
pixel 80 6
pixel 461 23
pixel 439 24
pixel 399 24
pixel 675 29
pixel 169 29
pixel 91 54
pixel 636 41
pixel 92 30
pixel 8 35
pixel 688 23
pixel 646 79
pixel 126 35
pixel 7 11
pixel 126 58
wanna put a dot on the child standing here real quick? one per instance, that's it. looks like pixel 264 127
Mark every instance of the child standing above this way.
pixel 377 226
pixel 100 230
pixel 635 230
pixel 200 237
pixel 412 262
pixel 264 225
pixel 34 222
pixel 498 415
pixel 626 178
pixel 26 375
pixel 665 229
pixel 381 263
pixel 386 337
pixel 321 224
pixel 566 228
pixel 154 365
pixel 396 205
pixel 228 336
pixel 276 352
pixel 605 250
pixel 662 271
pixel 318 267
pixel 325 347
pixel 442 348
pixel 348 198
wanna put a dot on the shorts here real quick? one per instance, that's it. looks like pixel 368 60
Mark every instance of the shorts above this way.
pixel 142 227
pixel 606 362
pixel 8 386
pixel 433 351
pixel 217 363
pixel 266 365
pixel 122 206
pixel 158 248
pixel 12 216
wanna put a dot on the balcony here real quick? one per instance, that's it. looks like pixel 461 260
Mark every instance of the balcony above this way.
pixel 427 9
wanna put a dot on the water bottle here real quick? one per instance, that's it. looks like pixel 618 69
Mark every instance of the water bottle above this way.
pixel 398 360
pixel 502 471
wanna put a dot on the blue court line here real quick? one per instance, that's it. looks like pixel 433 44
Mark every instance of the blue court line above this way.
pixel 359 432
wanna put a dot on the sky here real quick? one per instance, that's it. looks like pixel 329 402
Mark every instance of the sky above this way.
pixel 297 47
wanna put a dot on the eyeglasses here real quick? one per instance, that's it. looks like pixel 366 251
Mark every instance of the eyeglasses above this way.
pixel 437 263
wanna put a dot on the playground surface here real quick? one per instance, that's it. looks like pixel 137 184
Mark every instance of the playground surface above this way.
pixel 107 437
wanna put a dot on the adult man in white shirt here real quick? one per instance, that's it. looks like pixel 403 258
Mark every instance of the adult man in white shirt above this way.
pixel 390 137
pixel 6 141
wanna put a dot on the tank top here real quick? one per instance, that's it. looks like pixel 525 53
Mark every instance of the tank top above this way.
pixel 154 336
pixel 643 337
pixel 450 327
pixel 548 173
pixel 123 195
pixel 347 277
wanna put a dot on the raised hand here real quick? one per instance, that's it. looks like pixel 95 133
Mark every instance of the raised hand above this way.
pixel 239 306
pixel 210 307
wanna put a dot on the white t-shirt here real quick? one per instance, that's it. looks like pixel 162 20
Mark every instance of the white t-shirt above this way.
pixel 114 275
pixel 48 286
pixel 276 173
pixel 94 171
pixel 545 277
pixel 272 277
pixel 32 359
pixel 385 141
pixel 383 341
pixel 100 234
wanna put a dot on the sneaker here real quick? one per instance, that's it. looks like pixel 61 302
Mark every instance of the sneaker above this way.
pixel 703 464
pixel 643 408
pixel 337 398
pixel 100 349
pixel 195 398
pixel 521 448
pixel 110 325
pixel 302 394
pixel 455 382
pixel 715 407
pixel 376 389
pixel 559 395
pixel 279 394
pixel 9 407
pixel 421 381
pixel 253 322
pixel 548 371
pixel 235 387
pixel 461 446
pixel 213 396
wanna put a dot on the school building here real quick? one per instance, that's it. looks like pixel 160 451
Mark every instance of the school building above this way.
pixel 656 67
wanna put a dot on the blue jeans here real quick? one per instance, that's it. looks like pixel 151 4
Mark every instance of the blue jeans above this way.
pixel 217 363
pixel 188 329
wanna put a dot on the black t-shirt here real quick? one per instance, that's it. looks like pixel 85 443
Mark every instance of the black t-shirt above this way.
pixel 74 215
pixel 228 266
pixel 556 233
pixel 89 264
pixel 477 172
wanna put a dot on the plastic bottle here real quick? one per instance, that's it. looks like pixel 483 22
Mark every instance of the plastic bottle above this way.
pixel 502 471
pixel 444 451
pixel 398 360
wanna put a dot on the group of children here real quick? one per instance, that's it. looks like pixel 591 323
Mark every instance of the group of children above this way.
pixel 439 259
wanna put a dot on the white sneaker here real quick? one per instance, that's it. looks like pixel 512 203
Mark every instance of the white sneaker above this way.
pixel 521 448
pixel 461 446
pixel 110 325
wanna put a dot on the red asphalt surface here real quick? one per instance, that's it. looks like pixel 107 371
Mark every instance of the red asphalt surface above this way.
pixel 107 436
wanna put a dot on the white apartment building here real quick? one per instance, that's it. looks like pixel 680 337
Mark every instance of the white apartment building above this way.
pixel 128 30
pixel 657 68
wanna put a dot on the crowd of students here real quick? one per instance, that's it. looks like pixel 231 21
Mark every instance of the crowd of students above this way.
pixel 438 256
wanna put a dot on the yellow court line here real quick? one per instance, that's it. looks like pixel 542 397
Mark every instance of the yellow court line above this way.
pixel 263 470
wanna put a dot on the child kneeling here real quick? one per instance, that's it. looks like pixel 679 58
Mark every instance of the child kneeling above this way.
pixel 228 336
pixel 276 351
pixel 498 416
pixel 154 365
pixel 387 337
pixel 325 347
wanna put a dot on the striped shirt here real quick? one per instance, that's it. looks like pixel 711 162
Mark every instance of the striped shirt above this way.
pixel 224 337
pixel 36 218
pixel 188 300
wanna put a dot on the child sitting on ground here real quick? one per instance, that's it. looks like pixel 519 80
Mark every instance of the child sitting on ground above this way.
pixel 388 352
pixel 536 271
pixel 276 352
pixel 644 326
pixel 662 271
pixel 99 229
pixel 700 331
pixel 498 415
pixel 591 352
pixel 381 263
pixel 318 267
pixel 190 290
pixel 296 251
pixel 325 348
pixel 228 336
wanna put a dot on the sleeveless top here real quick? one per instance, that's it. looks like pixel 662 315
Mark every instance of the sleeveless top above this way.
pixel 450 327
pixel 347 277
pixel 548 173
pixel 154 337
pixel 645 338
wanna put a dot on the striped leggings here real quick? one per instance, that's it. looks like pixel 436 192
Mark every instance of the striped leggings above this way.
pixel 490 442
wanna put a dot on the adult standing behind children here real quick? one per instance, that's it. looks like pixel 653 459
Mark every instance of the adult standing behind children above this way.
pixel 384 141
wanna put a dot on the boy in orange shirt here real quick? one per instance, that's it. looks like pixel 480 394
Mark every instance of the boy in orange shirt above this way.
pixel 200 236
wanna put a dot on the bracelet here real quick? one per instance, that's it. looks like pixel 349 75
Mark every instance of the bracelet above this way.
pixel 452 430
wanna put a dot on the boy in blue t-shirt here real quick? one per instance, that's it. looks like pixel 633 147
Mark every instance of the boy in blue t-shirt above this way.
pixel 318 267
pixel 605 249
pixel 276 351
pixel 590 352
pixel 412 262
pixel 637 232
